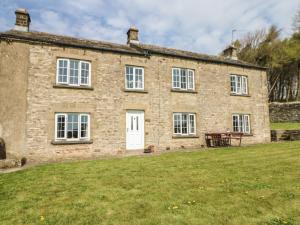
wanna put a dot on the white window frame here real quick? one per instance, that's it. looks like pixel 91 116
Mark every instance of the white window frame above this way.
pixel 242 119
pixel 188 123
pixel 242 88
pixel 88 125
pixel 79 127
pixel 190 76
pixel 56 127
pixel 134 78
pixel 68 72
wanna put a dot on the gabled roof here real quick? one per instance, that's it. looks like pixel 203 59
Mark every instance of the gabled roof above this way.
pixel 136 49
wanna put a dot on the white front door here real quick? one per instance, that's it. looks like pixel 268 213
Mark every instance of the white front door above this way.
pixel 134 130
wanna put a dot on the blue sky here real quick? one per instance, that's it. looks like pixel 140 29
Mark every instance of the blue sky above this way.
pixel 197 25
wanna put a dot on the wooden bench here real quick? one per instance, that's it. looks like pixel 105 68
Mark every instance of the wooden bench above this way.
pixel 217 139
pixel 222 139
pixel 236 136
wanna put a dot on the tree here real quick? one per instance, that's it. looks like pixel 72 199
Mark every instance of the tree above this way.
pixel 282 57
pixel 296 22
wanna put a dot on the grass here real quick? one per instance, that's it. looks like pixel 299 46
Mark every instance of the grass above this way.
pixel 285 126
pixel 247 185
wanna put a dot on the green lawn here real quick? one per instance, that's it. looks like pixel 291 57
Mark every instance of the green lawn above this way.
pixel 231 186
pixel 285 126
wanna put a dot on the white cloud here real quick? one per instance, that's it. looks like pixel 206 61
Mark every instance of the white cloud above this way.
pixel 51 22
pixel 197 25
pixel 118 20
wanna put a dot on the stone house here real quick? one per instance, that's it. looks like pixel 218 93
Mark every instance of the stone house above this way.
pixel 64 97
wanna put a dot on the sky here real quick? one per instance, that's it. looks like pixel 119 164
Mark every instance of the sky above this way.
pixel 196 25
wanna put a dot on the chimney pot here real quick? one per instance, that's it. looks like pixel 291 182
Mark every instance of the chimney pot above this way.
pixel 22 20
pixel 133 35
pixel 230 52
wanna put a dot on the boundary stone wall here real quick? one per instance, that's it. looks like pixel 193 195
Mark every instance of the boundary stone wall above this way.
pixel 285 112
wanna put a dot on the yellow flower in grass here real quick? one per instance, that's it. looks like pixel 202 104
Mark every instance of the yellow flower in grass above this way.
pixel 42 218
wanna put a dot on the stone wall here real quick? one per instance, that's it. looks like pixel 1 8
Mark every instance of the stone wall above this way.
pixel 285 112
pixel 14 59
pixel 285 135
pixel 108 102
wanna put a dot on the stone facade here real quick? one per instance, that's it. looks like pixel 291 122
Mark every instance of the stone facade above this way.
pixel 285 112
pixel 14 65
pixel 31 112
pixel 30 97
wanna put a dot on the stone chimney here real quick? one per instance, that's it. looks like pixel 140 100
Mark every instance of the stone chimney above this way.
pixel 133 36
pixel 22 20
pixel 230 52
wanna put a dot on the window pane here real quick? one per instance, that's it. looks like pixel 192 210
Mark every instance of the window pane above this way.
pixel 177 124
pixel 238 84
pixel 129 77
pixel 184 123
pixel 192 124
pixel 235 123
pixel 140 81
pixel 246 124
pixel 191 79
pixel 244 85
pixel 74 72
pixel 241 123
pixel 176 78
pixel 129 82
pixel 72 127
pixel 60 126
pixel 233 84
pixel 131 126
pixel 62 71
pixel 138 78
pixel 183 78
pixel 85 68
pixel 84 126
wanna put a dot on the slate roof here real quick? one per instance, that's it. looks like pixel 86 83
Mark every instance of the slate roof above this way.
pixel 136 49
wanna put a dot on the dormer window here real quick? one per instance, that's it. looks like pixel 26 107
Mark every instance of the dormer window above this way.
pixel 73 72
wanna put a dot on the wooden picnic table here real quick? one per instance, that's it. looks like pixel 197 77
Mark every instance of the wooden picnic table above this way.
pixel 222 139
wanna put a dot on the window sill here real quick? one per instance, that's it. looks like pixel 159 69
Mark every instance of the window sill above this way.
pixel 244 135
pixel 184 136
pixel 247 135
pixel 136 91
pixel 184 91
pixel 64 142
pixel 241 95
pixel 73 87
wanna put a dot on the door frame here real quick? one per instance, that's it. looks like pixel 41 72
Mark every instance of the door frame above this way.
pixel 141 112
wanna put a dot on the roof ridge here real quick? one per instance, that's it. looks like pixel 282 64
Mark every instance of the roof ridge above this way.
pixel 137 49
pixel 72 37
